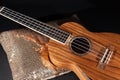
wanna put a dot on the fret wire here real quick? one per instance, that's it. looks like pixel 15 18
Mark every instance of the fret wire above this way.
pixel 27 19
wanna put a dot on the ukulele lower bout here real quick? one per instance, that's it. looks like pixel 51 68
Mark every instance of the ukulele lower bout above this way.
pixel 82 46
pixel 95 53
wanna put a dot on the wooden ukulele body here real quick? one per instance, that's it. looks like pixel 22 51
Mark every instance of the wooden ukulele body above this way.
pixel 61 56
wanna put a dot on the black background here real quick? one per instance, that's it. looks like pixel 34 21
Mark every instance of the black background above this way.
pixel 95 15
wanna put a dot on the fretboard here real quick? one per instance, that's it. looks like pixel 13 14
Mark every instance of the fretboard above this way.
pixel 35 25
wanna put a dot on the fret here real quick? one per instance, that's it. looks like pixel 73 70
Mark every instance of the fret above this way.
pixel 40 27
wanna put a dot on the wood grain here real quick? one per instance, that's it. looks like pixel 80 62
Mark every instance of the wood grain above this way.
pixel 61 55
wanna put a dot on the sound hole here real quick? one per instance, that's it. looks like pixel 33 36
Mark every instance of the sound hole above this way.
pixel 80 45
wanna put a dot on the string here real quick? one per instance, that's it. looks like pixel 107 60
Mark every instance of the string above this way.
pixel 87 47
pixel 36 22
pixel 61 36
pixel 93 51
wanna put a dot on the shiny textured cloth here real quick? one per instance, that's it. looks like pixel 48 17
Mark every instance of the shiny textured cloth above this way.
pixel 23 54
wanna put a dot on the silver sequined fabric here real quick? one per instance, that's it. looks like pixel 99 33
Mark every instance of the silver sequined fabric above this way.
pixel 25 62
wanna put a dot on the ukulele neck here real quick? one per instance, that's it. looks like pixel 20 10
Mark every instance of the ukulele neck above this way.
pixel 35 25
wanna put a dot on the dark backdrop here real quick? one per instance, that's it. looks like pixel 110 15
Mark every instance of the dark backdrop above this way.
pixel 95 15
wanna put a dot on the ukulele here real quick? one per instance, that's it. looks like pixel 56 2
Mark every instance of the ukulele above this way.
pixel 75 48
